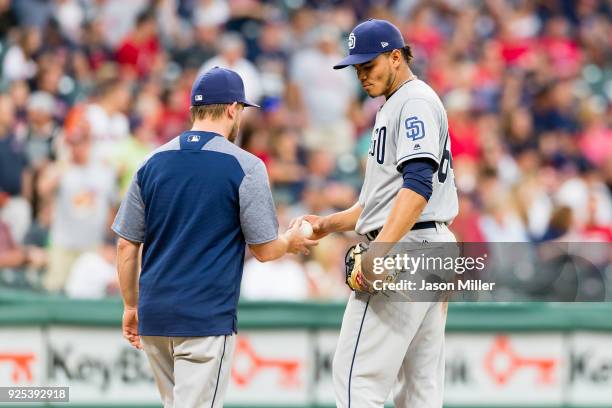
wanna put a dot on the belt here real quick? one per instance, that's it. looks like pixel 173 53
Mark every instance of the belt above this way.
pixel 418 226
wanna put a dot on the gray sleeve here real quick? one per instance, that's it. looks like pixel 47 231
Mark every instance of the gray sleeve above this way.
pixel 361 199
pixel 419 132
pixel 130 220
pixel 257 211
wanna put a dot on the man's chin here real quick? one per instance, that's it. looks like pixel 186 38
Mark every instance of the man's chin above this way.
pixel 371 93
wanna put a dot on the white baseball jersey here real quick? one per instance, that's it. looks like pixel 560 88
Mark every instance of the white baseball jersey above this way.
pixel 411 124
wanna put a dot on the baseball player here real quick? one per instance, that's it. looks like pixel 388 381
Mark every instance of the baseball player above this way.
pixel 192 207
pixel 408 195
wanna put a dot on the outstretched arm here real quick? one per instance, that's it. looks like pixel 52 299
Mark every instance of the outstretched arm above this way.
pixel 407 208
pixel 292 241
pixel 336 222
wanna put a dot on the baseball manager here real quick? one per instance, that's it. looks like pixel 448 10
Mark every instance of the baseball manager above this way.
pixel 192 207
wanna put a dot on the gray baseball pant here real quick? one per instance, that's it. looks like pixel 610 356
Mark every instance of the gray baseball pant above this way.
pixel 190 372
pixel 392 347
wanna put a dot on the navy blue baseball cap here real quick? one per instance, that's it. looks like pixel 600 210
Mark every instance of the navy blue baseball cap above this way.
pixel 219 86
pixel 370 39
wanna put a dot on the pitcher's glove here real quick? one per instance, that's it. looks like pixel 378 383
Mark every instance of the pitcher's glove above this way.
pixel 354 275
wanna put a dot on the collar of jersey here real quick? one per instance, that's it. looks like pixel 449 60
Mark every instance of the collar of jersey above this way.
pixel 414 78
pixel 201 133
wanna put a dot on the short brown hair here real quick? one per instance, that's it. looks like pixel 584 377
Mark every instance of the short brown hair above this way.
pixel 214 111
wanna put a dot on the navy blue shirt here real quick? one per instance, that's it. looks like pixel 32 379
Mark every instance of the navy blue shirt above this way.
pixel 194 204
pixel 13 162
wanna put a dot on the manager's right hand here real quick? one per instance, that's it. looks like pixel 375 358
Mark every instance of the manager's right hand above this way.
pixel 297 242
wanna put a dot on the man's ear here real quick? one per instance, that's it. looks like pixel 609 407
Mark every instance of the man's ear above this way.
pixel 232 110
pixel 396 57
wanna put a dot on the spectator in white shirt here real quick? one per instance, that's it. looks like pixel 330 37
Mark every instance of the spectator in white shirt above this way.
pixel 325 96
pixel 231 55
pixel 107 121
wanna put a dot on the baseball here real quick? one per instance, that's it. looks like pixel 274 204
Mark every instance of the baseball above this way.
pixel 306 229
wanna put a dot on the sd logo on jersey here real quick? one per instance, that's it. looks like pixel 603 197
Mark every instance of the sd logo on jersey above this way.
pixel 415 128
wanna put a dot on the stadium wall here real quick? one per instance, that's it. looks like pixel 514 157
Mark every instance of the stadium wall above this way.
pixel 498 355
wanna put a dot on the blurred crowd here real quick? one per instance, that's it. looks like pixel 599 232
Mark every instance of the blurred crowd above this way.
pixel 89 87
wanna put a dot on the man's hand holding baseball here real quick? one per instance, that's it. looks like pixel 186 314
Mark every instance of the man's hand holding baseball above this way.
pixel 320 225
pixel 297 242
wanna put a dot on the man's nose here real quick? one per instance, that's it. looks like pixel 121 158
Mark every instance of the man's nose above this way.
pixel 361 74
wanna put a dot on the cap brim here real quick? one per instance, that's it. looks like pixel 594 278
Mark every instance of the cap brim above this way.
pixel 356 59
pixel 249 104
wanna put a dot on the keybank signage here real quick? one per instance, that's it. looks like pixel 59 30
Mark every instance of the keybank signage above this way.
pixel 294 367
pixel 98 365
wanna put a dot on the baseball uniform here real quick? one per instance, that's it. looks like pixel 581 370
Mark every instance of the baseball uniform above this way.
pixel 194 204
pixel 384 343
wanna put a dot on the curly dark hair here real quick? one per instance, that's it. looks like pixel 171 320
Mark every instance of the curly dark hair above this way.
pixel 407 53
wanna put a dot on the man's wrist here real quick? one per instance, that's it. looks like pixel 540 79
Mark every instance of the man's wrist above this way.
pixel 327 224
pixel 284 240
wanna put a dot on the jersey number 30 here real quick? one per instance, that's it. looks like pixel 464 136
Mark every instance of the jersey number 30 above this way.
pixel 377 144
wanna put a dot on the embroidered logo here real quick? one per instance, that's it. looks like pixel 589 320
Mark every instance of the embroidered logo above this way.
pixel 351 41
pixel 415 128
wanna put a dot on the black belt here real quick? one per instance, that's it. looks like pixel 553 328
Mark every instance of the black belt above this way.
pixel 418 226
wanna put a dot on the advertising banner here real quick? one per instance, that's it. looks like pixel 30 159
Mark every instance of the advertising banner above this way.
pixel 22 356
pixel 294 367
pixel 482 369
pixel 589 368
pixel 98 365
pixel 271 366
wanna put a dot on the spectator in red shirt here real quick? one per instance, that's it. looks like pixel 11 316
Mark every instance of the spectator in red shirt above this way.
pixel 563 52
pixel 138 53
pixel 466 226
pixel 463 130
pixel 422 33
pixel 173 116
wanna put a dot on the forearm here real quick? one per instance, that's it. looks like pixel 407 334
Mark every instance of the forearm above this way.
pixel 406 210
pixel 128 271
pixel 270 250
pixel 13 258
pixel 343 220
pixel 26 184
pixel 291 241
pixel 48 181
